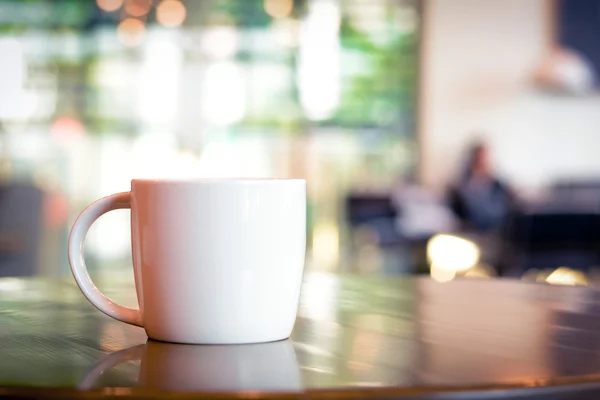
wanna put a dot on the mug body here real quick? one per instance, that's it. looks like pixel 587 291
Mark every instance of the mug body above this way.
pixel 218 261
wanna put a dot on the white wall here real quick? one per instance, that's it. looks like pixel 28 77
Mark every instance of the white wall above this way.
pixel 478 60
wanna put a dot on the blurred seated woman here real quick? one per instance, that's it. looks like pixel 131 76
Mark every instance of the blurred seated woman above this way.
pixel 480 199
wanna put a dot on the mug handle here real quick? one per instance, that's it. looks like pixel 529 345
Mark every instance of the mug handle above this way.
pixel 109 362
pixel 76 259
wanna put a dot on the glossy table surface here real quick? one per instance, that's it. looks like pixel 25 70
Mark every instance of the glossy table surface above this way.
pixel 355 336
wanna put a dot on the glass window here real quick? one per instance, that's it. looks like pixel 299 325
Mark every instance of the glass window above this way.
pixel 93 94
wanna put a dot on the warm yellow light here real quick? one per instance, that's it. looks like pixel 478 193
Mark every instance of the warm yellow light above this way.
pixel 279 8
pixel 566 276
pixel 441 274
pixel 137 8
pixel 131 31
pixel 170 13
pixel 452 253
pixel 481 271
pixel 326 245
pixel 109 5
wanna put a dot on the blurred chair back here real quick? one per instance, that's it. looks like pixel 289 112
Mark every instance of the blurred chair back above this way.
pixel 374 211
pixel 577 194
pixel 362 209
pixel 21 223
pixel 545 240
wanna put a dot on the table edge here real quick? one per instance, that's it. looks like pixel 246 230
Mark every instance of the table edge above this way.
pixel 533 386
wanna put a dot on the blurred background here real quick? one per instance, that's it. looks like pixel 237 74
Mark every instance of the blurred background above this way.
pixel 449 138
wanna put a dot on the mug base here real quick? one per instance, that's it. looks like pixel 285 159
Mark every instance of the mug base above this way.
pixel 217 342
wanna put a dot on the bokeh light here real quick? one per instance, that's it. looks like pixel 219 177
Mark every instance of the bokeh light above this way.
pixel 158 80
pixel 220 42
pixel 137 8
pixel 223 100
pixel 15 101
pixel 319 65
pixel 452 253
pixel 441 274
pixel 481 270
pixel 170 13
pixel 109 5
pixel 131 31
pixel 66 128
pixel 279 8
pixel 287 32
pixel 326 245
pixel 566 276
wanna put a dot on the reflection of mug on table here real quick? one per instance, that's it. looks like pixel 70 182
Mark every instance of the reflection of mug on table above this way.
pixel 190 368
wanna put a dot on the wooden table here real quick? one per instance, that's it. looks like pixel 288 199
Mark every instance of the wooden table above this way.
pixel 356 336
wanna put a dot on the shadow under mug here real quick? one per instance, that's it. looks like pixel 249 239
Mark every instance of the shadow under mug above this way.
pixel 208 368
pixel 215 261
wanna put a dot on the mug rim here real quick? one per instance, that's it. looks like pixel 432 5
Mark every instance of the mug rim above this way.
pixel 216 180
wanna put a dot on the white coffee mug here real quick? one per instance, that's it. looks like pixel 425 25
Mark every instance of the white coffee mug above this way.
pixel 215 261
